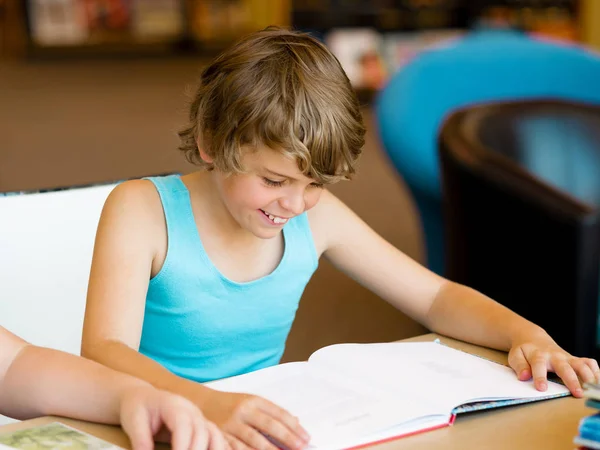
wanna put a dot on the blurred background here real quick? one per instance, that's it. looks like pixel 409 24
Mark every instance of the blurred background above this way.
pixel 94 91
pixel 373 39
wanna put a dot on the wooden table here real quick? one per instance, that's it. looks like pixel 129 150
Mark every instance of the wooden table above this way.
pixel 550 424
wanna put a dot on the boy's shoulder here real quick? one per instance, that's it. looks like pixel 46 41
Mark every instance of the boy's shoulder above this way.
pixel 327 208
pixel 136 197
pixel 132 218
pixel 136 190
pixel 326 218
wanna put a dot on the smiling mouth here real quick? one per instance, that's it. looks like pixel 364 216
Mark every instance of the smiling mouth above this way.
pixel 274 219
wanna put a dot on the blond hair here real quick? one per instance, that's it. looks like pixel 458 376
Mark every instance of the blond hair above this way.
pixel 279 88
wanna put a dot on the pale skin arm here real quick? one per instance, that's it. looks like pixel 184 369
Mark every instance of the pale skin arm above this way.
pixel 442 306
pixel 130 234
pixel 37 381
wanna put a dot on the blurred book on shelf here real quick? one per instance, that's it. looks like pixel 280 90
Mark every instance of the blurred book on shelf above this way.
pixel 370 57
pixel 55 23
pixel 216 21
pixel 556 24
pixel 359 53
pixel 94 23
pixel 400 48
pixel 382 15
pixel 152 19
pixel 554 20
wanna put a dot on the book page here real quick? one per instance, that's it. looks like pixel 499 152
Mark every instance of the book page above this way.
pixel 446 376
pixel 331 406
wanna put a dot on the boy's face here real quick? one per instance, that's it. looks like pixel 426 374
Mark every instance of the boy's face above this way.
pixel 271 192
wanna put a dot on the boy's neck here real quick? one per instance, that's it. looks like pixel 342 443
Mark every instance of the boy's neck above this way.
pixel 215 216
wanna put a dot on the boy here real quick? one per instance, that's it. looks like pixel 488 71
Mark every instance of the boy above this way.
pixel 198 277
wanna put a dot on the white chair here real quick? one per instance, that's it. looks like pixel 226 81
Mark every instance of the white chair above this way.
pixel 46 246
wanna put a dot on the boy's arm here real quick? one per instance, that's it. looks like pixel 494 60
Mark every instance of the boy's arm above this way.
pixel 442 306
pixel 128 237
pixel 131 230
pixel 37 381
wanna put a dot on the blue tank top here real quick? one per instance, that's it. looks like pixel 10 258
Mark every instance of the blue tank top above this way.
pixel 203 326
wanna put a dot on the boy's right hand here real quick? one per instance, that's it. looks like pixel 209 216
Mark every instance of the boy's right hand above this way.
pixel 149 414
pixel 246 421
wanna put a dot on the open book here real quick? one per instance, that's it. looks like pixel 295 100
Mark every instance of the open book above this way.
pixel 350 395
pixel 52 436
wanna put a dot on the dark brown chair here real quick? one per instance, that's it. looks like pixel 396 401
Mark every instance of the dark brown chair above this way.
pixel 521 190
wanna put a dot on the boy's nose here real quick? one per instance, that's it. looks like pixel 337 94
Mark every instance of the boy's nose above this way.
pixel 294 204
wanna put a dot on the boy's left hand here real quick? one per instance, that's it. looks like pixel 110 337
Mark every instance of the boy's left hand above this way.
pixel 535 357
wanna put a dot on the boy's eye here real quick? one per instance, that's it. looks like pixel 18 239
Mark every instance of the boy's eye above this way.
pixel 317 185
pixel 272 182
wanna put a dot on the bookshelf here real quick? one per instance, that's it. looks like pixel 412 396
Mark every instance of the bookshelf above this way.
pixel 142 27
pixel 372 38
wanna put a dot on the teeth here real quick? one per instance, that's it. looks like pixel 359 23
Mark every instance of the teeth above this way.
pixel 275 219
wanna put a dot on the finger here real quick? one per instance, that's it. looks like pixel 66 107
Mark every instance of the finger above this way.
pixel 275 431
pixel 566 373
pixel 235 443
pixel 583 370
pixel 182 430
pixel 538 362
pixel 201 436
pixel 593 365
pixel 282 416
pixel 216 440
pixel 254 439
pixel 138 429
pixel 518 362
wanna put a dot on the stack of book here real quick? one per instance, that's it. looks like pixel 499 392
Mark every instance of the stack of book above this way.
pixel 588 436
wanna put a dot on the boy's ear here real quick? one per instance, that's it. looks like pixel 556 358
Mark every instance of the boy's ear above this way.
pixel 205 156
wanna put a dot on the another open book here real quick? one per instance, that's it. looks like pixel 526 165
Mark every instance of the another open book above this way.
pixel 52 436
pixel 349 395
